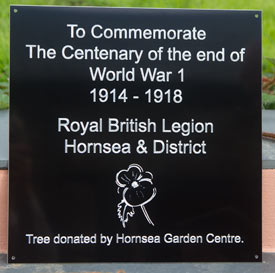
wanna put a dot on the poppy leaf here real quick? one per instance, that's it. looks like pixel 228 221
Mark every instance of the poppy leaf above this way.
pixel 124 212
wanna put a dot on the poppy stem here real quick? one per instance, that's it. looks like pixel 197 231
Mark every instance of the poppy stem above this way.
pixel 146 215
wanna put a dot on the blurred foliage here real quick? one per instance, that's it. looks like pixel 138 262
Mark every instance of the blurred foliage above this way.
pixel 268 96
pixel 268 101
pixel 4 95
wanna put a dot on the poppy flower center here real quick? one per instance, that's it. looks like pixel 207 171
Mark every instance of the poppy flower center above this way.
pixel 135 184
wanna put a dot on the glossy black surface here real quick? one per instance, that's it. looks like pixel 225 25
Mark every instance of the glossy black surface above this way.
pixel 72 194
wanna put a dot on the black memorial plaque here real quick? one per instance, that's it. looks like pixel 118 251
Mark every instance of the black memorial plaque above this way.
pixel 135 135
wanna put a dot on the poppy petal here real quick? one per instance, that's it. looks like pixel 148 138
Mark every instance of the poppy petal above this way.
pixel 147 175
pixel 141 195
pixel 122 178
pixel 134 172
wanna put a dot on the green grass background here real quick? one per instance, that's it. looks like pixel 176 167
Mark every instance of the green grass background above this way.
pixel 267 6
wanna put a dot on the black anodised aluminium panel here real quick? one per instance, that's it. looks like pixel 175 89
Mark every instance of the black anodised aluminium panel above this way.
pixel 158 159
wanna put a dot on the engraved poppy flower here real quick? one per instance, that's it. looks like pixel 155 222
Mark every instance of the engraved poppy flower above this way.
pixel 137 190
